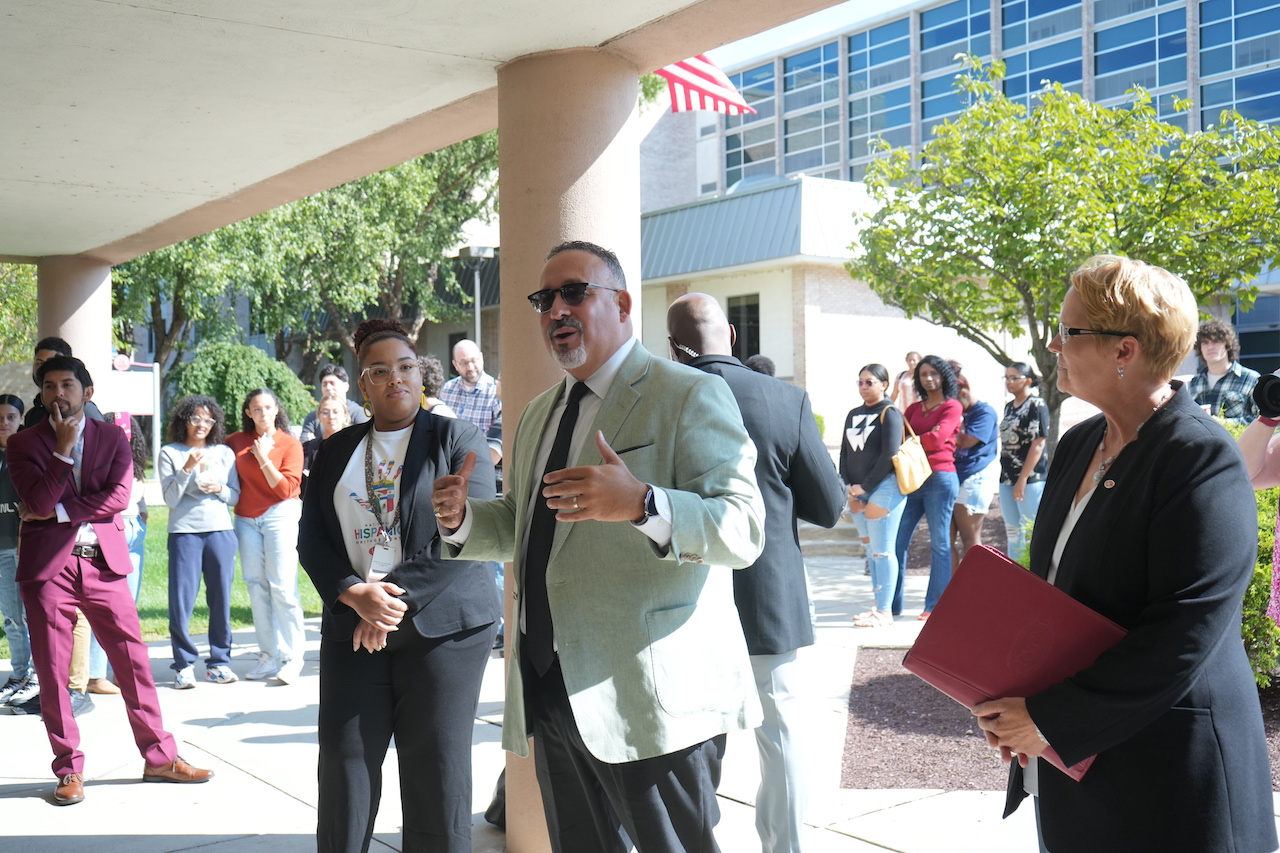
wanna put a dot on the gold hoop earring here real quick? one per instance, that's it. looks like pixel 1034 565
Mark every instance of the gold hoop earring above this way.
pixel 424 400
pixel 368 409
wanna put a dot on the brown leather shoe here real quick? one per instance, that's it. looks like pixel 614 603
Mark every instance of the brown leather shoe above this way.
pixel 70 790
pixel 176 771
pixel 103 687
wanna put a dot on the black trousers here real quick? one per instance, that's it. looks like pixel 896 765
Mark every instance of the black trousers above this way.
pixel 424 692
pixel 664 804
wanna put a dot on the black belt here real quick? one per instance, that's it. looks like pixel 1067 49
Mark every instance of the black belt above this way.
pixel 89 552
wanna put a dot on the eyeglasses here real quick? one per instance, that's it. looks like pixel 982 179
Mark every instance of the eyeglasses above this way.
pixel 1065 331
pixel 689 351
pixel 1018 376
pixel 382 375
pixel 197 421
pixel 572 294
pixel 868 383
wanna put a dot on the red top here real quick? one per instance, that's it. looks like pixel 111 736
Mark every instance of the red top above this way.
pixel 256 497
pixel 939 446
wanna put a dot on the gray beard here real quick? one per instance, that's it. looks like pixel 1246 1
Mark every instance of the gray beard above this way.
pixel 569 359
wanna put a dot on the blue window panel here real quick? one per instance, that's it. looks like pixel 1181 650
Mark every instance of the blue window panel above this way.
pixel 1015 36
pixel 1170 22
pixel 944 14
pixel 980 46
pixel 894 72
pixel 942 106
pixel 802 60
pixel 1216 61
pixel 768 167
pixel 1256 25
pixel 1215 34
pixel 857 41
pixel 1174 45
pixel 801 99
pixel 1214 10
pixel 830 51
pixel 944 35
pixel 759 76
pixel 1254 85
pixel 1015 64
pixel 978 5
pixel 859 126
pixel 1218 94
pixel 980 24
pixel 937 86
pixel 858 83
pixel 1067 72
pixel 897 117
pixel 732 141
pixel 732 176
pixel 858 61
pixel 831 70
pixel 1261 109
pixel 1015 86
pixel 889 32
pixel 890 52
pixel 858 147
pixel 733 159
pixel 1113 37
pixel 1055 53
pixel 893 98
pixel 1129 57
pixel 1244 7
pixel 1179 120
pixel 1015 12
pixel 1173 71
pixel 1044 7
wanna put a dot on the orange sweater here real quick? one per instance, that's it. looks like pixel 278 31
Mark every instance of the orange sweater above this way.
pixel 256 497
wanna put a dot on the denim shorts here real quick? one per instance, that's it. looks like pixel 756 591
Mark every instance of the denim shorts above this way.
pixel 979 489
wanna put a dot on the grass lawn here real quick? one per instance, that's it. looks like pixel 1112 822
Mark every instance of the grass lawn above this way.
pixel 153 599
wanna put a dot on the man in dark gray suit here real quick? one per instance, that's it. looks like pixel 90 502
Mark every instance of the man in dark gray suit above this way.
pixel 798 481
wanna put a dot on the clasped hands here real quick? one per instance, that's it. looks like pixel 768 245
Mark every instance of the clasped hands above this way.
pixel 380 612
pixel 605 492
pixel 1009 727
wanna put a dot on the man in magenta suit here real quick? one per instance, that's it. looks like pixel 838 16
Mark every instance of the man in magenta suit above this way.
pixel 73 477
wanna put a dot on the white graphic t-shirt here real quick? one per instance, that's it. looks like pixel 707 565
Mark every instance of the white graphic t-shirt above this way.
pixel 351 498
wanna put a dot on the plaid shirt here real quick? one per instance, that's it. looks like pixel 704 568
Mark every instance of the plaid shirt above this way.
pixel 1232 398
pixel 480 405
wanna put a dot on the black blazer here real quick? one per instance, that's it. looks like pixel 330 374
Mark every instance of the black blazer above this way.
pixel 797 480
pixel 444 596
pixel 1166 547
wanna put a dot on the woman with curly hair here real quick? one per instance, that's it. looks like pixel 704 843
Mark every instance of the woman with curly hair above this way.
pixel 432 382
pixel 405 634
pixel 269 462
pixel 198 480
pixel 936 418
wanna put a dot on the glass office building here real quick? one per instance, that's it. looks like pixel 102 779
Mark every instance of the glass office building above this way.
pixel 820 107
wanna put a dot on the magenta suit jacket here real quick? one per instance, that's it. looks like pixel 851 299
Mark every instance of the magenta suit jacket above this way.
pixel 43 481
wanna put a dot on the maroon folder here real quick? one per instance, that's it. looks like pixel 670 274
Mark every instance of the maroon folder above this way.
pixel 998 630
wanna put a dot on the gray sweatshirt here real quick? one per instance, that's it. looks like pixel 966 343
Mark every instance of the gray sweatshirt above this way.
pixel 192 510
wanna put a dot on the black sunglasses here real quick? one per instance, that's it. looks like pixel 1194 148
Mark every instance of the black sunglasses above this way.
pixel 1065 331
pixel 572 294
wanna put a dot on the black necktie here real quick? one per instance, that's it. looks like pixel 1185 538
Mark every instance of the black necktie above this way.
pixel 539 634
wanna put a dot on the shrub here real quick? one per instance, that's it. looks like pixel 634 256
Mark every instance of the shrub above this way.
pixel 229 371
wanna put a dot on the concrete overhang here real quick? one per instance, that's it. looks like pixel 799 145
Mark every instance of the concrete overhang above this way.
pixel 130 126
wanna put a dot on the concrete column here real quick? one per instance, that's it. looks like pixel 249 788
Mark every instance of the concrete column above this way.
pixel 569 158
pixel 74 303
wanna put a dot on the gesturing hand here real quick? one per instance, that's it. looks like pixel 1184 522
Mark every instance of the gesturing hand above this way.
pixel 449 495
pixel 193 459
pixel 65 430
pixel 607 492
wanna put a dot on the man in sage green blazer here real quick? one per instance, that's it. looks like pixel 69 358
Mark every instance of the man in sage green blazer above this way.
pixel 650 668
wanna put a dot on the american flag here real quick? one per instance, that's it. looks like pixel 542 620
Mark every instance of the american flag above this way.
pixel 698 84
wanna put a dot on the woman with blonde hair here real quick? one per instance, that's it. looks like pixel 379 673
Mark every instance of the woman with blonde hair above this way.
pixel 1148 518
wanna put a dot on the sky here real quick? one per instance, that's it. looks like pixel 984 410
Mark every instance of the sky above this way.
pixel 773 41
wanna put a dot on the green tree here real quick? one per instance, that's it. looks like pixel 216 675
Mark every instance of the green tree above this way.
pixel 228 371
pixel 981 233
pixel 17 311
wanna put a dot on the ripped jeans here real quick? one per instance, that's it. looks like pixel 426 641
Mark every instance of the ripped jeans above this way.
pixel 879 535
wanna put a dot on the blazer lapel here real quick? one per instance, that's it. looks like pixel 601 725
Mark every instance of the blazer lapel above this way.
pixel 617 404
pixel 412 482
pixel 1053 512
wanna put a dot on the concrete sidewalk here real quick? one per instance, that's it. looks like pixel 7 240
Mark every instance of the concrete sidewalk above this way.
pixel 260 740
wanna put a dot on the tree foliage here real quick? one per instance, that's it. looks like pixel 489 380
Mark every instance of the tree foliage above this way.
pixel 18 318
pixel 982 232
pixel 228 371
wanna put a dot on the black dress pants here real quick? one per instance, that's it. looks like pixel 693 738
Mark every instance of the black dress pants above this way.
pixel 664 804
pixel 424 692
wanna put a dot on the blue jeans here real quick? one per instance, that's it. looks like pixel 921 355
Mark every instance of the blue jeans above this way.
pixel 135 535
pixel 269 565
pixel 1018 513
pixel 933 500
pixel 15 617
pixel 881 535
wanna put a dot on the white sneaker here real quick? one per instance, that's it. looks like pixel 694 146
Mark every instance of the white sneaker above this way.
pixel 220 674
pixel 265 667
pixel 290 671
pixel 185 679
pixel 15 687
pixel 30 689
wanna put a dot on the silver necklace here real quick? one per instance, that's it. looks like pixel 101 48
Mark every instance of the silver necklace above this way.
pixel 1106 461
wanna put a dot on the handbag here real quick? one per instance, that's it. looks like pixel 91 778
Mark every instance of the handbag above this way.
pixel 910 463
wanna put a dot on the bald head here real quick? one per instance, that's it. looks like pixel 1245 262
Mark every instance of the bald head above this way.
pixel 697 321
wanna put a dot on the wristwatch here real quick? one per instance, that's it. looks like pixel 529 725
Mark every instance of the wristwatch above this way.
pixel 650 508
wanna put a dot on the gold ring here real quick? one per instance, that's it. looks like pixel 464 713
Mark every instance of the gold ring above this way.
pixel 437 511
pixel 575 501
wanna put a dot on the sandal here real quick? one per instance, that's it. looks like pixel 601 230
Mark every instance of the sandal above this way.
pixel 923 617
pixel 872 619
